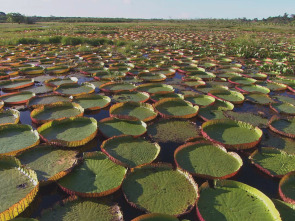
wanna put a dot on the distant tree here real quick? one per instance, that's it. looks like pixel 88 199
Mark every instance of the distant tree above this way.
pixel 15 18
pixel 2 17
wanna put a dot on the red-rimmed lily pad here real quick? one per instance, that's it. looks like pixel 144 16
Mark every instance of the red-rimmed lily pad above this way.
pixel 17 98
pixel 253 89
pixel 231 134
pixel 286 99
pixel 135 96
pixel 16 84
pixel 36 70
pixel 283 108
pixel 155 217
pixel 92 102
pixel 151 77
pixel 287 188
pixel 19 186
pixel 176 108
pixel 273 162
pixel 200 100
pixel 72 89
pixel 129 151
pixel 54 82
pixel 152 88
pixel 9 116
pixel 259 98
pixel 142 111
pixel 228 95
pixel 232 200
pixel 115 87
pixel 283 126
pixel 247 117
pixel 206 160
pixel 56 111
pixel 95 176
pixel 158 188
pixel 287 210
pixel 69 132
pixel 241 80
pixel 41 100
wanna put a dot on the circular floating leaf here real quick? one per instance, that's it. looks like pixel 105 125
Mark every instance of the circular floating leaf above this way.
pixel 10 116
pixel 227 95
pixel 274 86
pixel 152 88
pixel 286 188
pixel 287 211
pixel 56 111
pixel 173 130
pixel 210 113
pixel 15 138
pixel 273 162
pixel 131 96
pixel 201 74
pixel 111 126
pixel 200 100
pixel 54 82
pixel 40 89
pixel 115 87
pixel 285 127
pixel 141 111
pixel 16 98
pixel 253 89
pixel 247 117
pixel 207 160
pixel 283 108
pixel 152 77
pixel 92 102
pixel 176 108
pixel 69 132
pixel 16 84
pixel 230 200
pixel 231 134
pixel 259 98
pixel 96 176
pixel 158 188
pixel 129 151
pixel 36 70
pixel 57 69
pixel 155 217
pixel 241 80
pixel 257 76
pixel 162 95
pixel 49 163
pixel 285 99
pixel 78 209
pixel 75 89
pixel 39 101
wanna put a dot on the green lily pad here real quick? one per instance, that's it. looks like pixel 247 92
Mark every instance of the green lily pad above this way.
pixel 16 84
pixel 159 188
pixel 111 126
pixel 69 132
pixel 152 88
pixel 54 82
pixel 210 113
pixel 285 99
pixel 259 98
pixel 162 95
pixel 152 77
pixel 43 89
pixel 228 95
pixel 115 87
pixel 18 185
pixel 202 74
pixel 39 101
pixel 176 108
pixel 257 76
pixel 48 162
pixel 75 89
pixel 207 160
pixel 155 217
pixel 274 86
pixel 131 96
pixel 17 137
pixel 232 134
pixel 279 142
pixel 200 100
pixel 241 80
pixel 253 89
pixel 273 162
pixel 92 101
pixel 247 117
pixel 173 130
pixel 283 108
pixel 10 116
pixel 286 210
pixel 129 151
pixel 286 188
pixel 17 97
pixel 284 127
pixel 81 209
pixel 95 176
pixel 230 200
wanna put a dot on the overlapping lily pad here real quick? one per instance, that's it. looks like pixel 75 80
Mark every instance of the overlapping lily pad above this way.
pixel 283 108
pixel 253 89
pixel 54 82
pixel 286 188
pixel 227 95
pixel 69 132
pixel 72 89
pixel 155 217
pixel 287 210
pixel 241 80
pixel 152 88
pixel 17 98
pixel 232 134
pixel 200 100
pixel 129 151
pixel 231 200
pixel 157 188
pixel 135 96
pixel 247 117
pixel 283 126
pixel 162 95
pixel 9 116
pixel 95 176
pixel 92 102
pixel 16 84
pixel 259 98
pixel 115 87
pixel 207 160
pixel 41 100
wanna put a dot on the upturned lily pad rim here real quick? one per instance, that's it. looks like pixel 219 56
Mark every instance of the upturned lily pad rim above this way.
pixel 15 209
pixel 50 82
pixel 285 179
pixel 33 106
pixel 260 94
pixel 188 144
pixel 52 106
pixel 9 89
pixel 232 122
pixel 63 143
pixel 155 215
pixel 102 87
pixel 17 93
pixel 240 95
pixel 1 104
pixel 135 91
pixel 265 170
pixel 239 87
pixel 135 104
pixel 89 155
pixel 132 119
pixel 69 85
pixel 272 106
pixel 143 75
pixel 117 161
pixel 139 87
pixel 86 96
pixel 235 184
pixel 14 112
pixel 166 166
pixel 22 126
pixel 232 80
pixel 168 100
pixel 276 118
pixel 201 95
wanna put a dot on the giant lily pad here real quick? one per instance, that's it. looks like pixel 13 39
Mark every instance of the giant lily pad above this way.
pixel 75 89
pixel 283 108
pixel 18 185
pixel 39 101
pixel 17 137
pixel 95 176
pixel 232 134
pixel 259 98
pixel 54 82
pixel 285 99
pixel 36 70
pixel 247 117
pixel 253 89
pixel 286 210
pixel 152 88
pixel 42 89
pixel 200 100
pixel 286 188
pixel 142 111
pixel 56 111
pixel 17 98
pixel 131 96
pixel 207 160
pixel 115 87
pixel 273 162
pixel 92 102
pixel 241 80
pixel 232 200
pixel 285 127
pixel 155 217
pixel 129 151
pixel 69 132
pixel 16 84
pixel 111 126
pixel 152 77
pixel 48 162
pixel 162 95
pixel 77 209
pixel 158 188
pixel 176 108
pixel 10 116
pixel 228 95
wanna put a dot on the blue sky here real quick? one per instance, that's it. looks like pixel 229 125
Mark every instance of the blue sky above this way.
pixel 184 9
